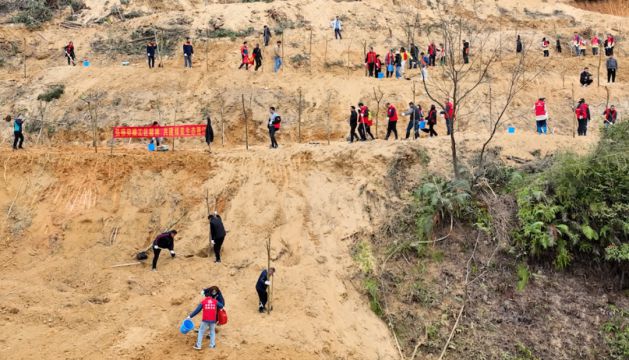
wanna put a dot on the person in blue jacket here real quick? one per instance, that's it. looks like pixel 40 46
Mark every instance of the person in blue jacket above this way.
pixel 17 132
pixel 264 280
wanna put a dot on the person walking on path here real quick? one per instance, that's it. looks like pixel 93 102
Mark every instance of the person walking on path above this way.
pixel 353 123
pixel 541 116
pixel 274 126
pixel 163 241
pixel 337 25
pixel 69 53
pixel 257 56
pixel 612 66
pixel 586 78
pixel 18 136
pixel 595 43
pixel 217 229
pixel 262 286
pixel 432 53
pixel 558 45
pixel 610 115
pixel 582 113
pixel 466 52
pixel 151 47
pixel 365 122
pixel 209 306
pixel 277 56
pixel 370 62
pixel 244 56
pixel 209 132
pixel 392 124
pixel 431 120
pixel 266 35
pixel 546 47
pixel 413 114
pixel 188 50
pixel 448 114
pixel 518 45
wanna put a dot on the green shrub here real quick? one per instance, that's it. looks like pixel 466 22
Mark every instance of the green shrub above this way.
pixel 371 285
pixel 232 34
pixel 53 93
pixel 580 205
pixel 616 333
pixel 33 13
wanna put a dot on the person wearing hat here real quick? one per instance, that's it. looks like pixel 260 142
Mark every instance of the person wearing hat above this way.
pixel 210 307
pixel 541 115
pixel 262 286
pixel 582 113
pixel 217 229
pixel 163 241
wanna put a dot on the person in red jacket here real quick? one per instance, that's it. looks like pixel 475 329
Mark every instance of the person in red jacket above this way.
pixel 364 121
pixel 610 116
pixel 244 55
pixel 582 113
pixel 448 113
pixel 431 120
pixel 392 125
pixel 377 66
pixel 541 116
pixel 389 61
pixel 210 307
pixel 432 54
pixel 370 61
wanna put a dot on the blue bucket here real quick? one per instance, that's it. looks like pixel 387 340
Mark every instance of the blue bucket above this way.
pixel 151 147
pixel 422 124
pixel 86 63
pixel 511 129
pixel 186 326
pixel 380 75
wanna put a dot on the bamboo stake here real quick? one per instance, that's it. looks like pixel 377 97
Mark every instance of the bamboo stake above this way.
pixel 244 115
pixel 310 52
pixel 325 52
pixel 268 277
pixel 127 264
pixel 24 57
pixel 207 205
pixel 348 48
pixel 574 114
pixel 328 118
pixel 299 118
pixel 175 120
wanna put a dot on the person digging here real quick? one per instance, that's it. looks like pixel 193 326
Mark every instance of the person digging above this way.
pixel 163 241
pixel 262 288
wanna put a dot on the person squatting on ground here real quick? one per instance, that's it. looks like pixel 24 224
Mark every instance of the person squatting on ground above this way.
pixel 610 115
pixel 392 124
pixel 262 286
pixel 188 50
pixel 353 123
pixel 274 126
pixel 582 113
pixel 18 136
pixel 431 120
pixel 585 78
pixel 151 47
pixel 365 123
pixel 541 116
pixel 69 53
pixel 337 25
pixel 163 241
pixel 612 66
pixel 209 306
pixel 218 234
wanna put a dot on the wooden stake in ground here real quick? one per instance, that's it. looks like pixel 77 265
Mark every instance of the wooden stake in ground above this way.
pixel 159 53
pixel 299 118
pixel 111 151
pixel 175 120
pixel 325 53
pixel 310 52
pixel 221 102
pixel 268 276
pixel 574 122
pixel 348 49
pixel 244 115
pixel 24 56
pixel 209 226
pixel 598 70
pixel 328 117
pixel 377 96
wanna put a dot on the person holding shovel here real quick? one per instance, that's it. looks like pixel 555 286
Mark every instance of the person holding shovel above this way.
pixel 210 307
pixel 69 53
pixel 262 288
pixel 218 234
pixel 163 241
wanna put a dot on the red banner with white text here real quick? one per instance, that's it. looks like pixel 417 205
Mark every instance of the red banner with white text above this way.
pixel 175 131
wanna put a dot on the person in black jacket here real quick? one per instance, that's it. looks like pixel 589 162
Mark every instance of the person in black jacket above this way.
pixel 264 280
pixel 431 120
pixel 353 123
pixel 209 133
pixel 163 241
pixel 586 78
pixel 518 45
pixel 257 56
pixel 217 229
pixel 188 50
pixel 266 34
pixel 466 52
pixel 151 47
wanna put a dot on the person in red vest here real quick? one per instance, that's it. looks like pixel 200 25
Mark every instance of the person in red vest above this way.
pixel 541 116
pixel 377 66
pixel 582 113
pixel 389 61
pixel 392 125
pixel 244 54
pixel 610 116
pixel 69 53
pixel 448 114
pixel 595 43
pixel 365 122
pixel 545 47
pixel 432 53
pixel 370 61
pixel 609 45
pixel 210 307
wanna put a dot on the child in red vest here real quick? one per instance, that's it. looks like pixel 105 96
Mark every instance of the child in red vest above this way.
pixel 210 307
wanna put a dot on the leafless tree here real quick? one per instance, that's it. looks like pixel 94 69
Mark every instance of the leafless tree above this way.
pixel 93 99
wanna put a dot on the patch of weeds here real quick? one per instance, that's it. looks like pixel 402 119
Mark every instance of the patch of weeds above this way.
pixel 232 34
pixel 33 14
pixel 363 256
pixel 53 93
pixel 523 276
pixel 420 294
pixel 616 333
pixel 299 60
pixel 373 291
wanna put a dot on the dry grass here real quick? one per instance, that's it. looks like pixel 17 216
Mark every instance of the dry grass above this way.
pixel 612 7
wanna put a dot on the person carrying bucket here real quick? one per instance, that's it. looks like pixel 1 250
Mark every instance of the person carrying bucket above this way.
pixel 541 116
pixel 210 307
